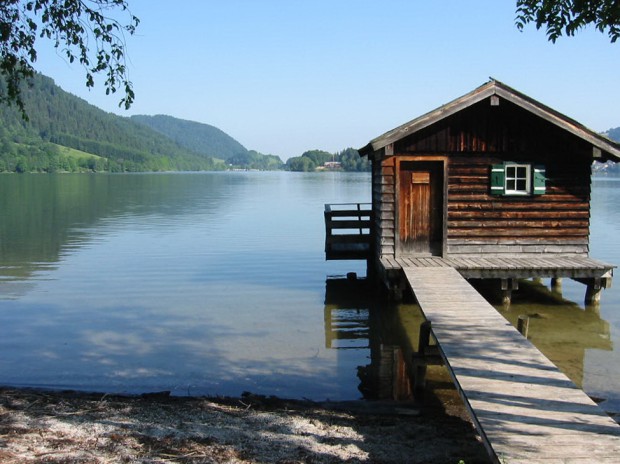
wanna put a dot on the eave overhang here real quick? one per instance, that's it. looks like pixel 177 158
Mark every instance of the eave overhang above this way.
pixel 603 148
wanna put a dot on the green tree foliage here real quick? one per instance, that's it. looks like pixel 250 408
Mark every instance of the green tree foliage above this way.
pixel 301 164
pixel 84 31
pixel 318 157
pixel 256 161
pixel 352 161
pixel 566 17
pixel 347 160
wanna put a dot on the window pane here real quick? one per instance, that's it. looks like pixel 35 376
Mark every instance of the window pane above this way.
pixel 517 179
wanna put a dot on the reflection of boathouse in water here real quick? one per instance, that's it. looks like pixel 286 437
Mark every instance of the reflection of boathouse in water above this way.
pixel 352 322
pixel 493 184
pixel 562 330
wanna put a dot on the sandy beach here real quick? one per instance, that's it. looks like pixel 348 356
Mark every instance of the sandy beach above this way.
pixel 70 427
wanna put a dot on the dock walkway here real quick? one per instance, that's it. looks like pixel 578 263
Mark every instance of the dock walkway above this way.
pixel 596 275
pixel 525 409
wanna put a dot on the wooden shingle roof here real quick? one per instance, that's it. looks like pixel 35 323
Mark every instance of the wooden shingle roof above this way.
pixel 609 149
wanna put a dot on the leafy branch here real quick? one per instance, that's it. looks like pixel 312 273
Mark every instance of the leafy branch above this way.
pixel 86 31
pixel 566 17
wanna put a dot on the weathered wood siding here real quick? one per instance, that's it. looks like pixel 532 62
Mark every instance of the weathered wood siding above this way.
pixel 384 201
pixel 556 222
pixel 478 222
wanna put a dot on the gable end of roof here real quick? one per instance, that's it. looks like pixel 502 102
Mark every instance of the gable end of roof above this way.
pixel 608 148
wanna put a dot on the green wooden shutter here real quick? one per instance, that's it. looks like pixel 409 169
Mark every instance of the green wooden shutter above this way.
pixel 539 180
pixel 498 175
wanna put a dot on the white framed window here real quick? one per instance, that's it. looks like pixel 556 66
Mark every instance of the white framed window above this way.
pixel 517 179
pixel 514 179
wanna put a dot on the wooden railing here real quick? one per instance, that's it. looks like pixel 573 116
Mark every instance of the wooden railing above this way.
pixel 347 230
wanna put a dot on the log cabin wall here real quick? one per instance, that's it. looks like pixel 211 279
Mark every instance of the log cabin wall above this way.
pixel 384 201
pixel 473 140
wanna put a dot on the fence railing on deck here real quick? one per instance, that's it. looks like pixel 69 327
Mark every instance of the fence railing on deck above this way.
pixel 347 230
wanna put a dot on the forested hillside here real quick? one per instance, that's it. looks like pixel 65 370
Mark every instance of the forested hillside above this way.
pixel 200 138
pixel 65 133
pixel 209 141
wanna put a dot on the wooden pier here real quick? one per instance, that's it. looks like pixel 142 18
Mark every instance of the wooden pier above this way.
pixel 595 274
pixel 524 408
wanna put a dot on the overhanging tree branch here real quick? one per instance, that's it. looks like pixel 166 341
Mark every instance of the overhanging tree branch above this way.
pixel 566 17
pixel 86 31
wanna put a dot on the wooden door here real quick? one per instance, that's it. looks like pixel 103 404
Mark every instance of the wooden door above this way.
pixel 421 208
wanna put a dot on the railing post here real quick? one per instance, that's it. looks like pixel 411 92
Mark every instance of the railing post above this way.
pixel 328 229
pixel 359 217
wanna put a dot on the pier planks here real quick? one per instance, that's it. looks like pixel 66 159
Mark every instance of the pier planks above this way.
pixel 511 267
pixel 525 409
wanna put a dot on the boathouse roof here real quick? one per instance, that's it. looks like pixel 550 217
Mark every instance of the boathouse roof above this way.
pixel 606 149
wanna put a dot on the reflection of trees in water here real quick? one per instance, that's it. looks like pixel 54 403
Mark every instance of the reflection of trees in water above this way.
pixel 45 215
pixel 355 318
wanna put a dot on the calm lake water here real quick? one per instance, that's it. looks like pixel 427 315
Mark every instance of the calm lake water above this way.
pixel 216 283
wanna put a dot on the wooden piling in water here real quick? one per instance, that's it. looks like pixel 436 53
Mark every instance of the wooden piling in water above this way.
pixel 556 285
pixel 523 325
pixel 419 360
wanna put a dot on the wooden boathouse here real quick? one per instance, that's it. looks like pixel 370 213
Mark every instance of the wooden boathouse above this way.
pixel 493 185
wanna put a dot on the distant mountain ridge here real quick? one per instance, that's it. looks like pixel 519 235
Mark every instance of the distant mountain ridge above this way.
pixel 608 166
pixel 200 138
pixel 65 133
pixel 614 134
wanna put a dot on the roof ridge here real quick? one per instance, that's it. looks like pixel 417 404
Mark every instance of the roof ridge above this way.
pixel 499 88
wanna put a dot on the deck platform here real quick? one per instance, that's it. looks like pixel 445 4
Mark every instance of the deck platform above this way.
pixel 525 409
pixel 595 274
pixel 574 267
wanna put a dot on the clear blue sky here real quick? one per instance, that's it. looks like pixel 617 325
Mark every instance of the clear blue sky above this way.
pixel 286 76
